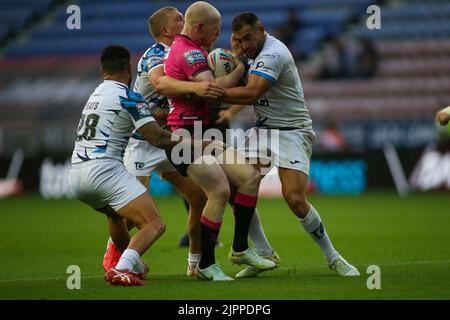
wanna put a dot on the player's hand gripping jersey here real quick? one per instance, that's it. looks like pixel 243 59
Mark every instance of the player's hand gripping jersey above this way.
pixel 186 59
pixel 109 117
pixel 283 105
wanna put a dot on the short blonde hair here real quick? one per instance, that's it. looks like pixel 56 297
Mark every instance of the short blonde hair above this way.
pixel 158 20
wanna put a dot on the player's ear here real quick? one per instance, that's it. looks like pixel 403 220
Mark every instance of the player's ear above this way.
pixel 200 27
pixel 164 32
pixel 129 70
pixel 261 28
pixel 104 74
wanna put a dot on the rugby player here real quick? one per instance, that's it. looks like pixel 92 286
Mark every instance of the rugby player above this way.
pixel 99 178
pixel 185 60
pixel 275 90
pixel 142 158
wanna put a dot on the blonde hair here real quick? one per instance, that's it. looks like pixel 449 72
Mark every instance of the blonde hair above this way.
pixel 158 20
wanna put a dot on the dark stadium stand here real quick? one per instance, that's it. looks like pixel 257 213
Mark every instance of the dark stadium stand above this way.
pixel 412 78
pixel 126 22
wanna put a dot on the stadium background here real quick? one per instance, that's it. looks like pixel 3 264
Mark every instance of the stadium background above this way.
pixel 373 95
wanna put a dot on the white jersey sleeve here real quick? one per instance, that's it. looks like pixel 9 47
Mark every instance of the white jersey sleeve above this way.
pixel 268 65
pixel 108 119
pixel 152 59
pixel 283 106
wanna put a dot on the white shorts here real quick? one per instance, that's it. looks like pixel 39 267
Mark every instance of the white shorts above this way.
pixel 141 159
pixel 289 149
pixel 103 182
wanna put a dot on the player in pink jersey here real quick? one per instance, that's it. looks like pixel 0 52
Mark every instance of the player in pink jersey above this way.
pixel 185 60
pixel 188 59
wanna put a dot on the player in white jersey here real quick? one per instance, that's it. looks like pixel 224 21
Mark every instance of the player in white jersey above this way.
pixel 274 88
pixel 98 176
pixel 141 158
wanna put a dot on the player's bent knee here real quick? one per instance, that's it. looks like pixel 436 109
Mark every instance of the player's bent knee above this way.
pixel 156 224
pixel 253 178
pixel 220 192
pixel 160 227
pixel 146 217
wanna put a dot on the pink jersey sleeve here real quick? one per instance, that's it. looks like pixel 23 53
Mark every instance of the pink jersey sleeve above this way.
pixel 193 62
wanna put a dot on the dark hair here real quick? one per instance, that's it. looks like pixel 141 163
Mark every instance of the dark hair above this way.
pixel 243 19
pixel 115 58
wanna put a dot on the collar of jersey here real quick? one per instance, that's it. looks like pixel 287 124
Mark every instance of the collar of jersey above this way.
pixel 188 38
pixel 117 82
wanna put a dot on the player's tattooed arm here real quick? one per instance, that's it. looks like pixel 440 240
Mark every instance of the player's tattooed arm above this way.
pixel 247 95
pixel 158 137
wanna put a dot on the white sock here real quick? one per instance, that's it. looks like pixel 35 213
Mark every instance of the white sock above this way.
pixel 128 260
pixel 193 259
pixel 139 267
pixel 314 226
pixel 258 237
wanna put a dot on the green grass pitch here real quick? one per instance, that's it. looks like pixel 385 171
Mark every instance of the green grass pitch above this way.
pixel 409 239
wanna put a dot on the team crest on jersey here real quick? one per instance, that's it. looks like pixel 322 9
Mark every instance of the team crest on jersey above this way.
pixel 194 56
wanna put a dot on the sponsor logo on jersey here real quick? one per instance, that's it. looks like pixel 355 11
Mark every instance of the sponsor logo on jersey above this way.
pixel 262 103
pixel 194 56
pixel 259 65
pixel 139 165
pixel 271 56
pixel 154 61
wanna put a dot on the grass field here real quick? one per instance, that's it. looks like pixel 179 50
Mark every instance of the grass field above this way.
pixel 409 239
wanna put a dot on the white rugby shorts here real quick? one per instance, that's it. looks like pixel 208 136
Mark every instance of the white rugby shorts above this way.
pixel 141 159
pixel 289 149
pixel 102 182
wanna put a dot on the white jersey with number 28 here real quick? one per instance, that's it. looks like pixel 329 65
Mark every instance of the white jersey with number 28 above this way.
pixel 110 116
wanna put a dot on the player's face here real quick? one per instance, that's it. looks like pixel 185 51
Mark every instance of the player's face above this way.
pixel 250 39
pixel 175 23
pixel 210 32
